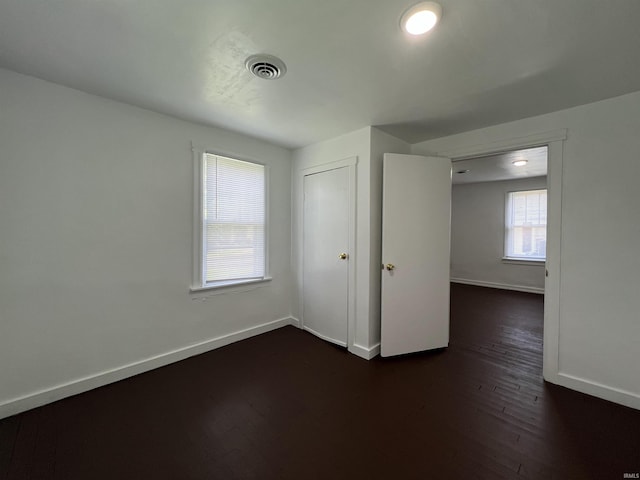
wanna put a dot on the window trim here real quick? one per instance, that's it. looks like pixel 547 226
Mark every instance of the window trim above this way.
pixel 521 260
pixel 197 280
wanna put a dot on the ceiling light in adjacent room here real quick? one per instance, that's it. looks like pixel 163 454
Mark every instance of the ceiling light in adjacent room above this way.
pixel 520 163
pixel 421 18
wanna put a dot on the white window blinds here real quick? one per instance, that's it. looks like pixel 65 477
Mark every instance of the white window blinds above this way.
pixel 233 220
pixel 526 225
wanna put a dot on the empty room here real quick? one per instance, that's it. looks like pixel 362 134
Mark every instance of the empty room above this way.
pixel 299 240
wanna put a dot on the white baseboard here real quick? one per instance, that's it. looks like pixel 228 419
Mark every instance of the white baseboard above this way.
pixel 502 286
pixel 360 351
pixel 295 322
pixel 364 352
pixel 595 389
pixel 48 395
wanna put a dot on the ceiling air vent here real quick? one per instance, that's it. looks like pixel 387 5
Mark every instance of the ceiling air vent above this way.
pixel 266 67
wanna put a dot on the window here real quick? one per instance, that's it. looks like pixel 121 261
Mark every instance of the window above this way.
pixel 526 225
pixel 232 221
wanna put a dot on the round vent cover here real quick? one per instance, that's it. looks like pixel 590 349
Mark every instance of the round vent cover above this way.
pixel 267 67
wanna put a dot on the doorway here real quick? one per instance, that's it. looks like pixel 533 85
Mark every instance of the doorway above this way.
pixel 499 220
pixel 554 140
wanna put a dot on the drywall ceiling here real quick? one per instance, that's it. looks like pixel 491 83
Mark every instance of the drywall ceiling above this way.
pixel 500 166
pixel 349 64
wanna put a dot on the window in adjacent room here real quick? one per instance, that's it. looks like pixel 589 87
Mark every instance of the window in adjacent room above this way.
pixel 526 225
pixel 232 221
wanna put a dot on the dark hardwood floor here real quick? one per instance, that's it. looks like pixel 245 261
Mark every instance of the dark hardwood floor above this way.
pixel 286 405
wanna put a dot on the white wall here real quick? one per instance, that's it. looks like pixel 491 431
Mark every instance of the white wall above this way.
pixel 95 243
pixel 96 225
pixel 599 326
pixel 477 237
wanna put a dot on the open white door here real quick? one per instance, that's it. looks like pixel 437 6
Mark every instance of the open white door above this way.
pixel 416 225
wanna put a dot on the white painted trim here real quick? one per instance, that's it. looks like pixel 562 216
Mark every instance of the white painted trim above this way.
pixel 196 208
pixel 324 337
pixel 80 385
pixel 502 286
pixel 623 397
pixel 325 167
pixel 227 285
pixel 295 322
pixel 553 271
pixel 522 261
pixel 534 140
pixel 364 352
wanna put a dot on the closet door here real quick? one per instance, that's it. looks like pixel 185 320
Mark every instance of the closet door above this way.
pixel 416 224
pixel 326 254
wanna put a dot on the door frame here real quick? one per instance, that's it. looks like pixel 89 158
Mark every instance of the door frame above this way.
pixel 554 140
pixel 350 164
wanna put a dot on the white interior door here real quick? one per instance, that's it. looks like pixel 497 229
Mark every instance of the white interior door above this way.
pixel 326 254
pixel 416 225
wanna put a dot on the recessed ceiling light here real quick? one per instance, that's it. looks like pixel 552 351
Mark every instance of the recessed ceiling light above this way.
pixel 421 18
pixel 520 163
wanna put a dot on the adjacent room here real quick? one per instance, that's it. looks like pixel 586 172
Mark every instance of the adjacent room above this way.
pixel 499 220
pixel 289 240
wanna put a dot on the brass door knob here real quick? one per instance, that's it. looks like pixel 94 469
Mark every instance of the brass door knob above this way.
pixel 390 266
pixel 343 256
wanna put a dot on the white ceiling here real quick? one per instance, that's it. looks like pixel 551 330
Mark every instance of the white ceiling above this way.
pixel 349 64
pixel 500 166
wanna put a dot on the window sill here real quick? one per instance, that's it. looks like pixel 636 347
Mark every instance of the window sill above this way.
pixel 524 261
pixel 223 285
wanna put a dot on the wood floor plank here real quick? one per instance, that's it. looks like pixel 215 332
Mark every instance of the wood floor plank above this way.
pixel 8 433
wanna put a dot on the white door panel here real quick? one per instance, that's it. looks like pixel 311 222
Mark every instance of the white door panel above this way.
pixel 325 238
pixel 416 221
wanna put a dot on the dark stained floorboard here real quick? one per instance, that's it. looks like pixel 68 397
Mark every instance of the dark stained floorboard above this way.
pixel 286 405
